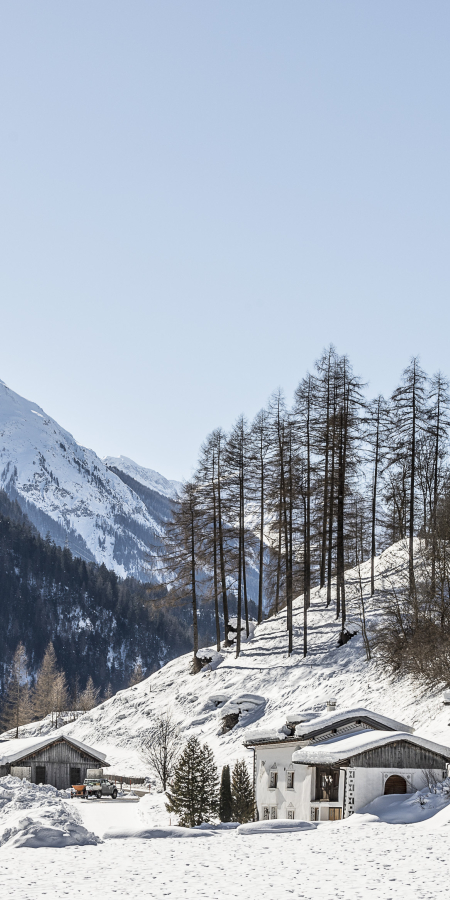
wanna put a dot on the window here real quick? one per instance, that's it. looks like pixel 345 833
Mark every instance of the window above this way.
pixel 327 783
pixel 265 812
pixel 290 780
pixel 290 813
pixel 75 775
pixel 273 812
pixel 40 774
pixel 334 813
pixel 273 779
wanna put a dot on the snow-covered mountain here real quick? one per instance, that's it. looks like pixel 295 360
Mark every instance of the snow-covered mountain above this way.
pixel 146 477
pixel 111 511
pixel 263 685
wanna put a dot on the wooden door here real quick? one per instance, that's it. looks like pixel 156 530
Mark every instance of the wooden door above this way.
pixel 395 785
pixel 40 775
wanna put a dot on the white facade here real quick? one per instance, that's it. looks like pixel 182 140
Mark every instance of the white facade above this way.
pixel 314 779
pixel 362 785
pixel 274 771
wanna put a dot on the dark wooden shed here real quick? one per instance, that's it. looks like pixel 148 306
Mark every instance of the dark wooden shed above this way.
pixel 60 761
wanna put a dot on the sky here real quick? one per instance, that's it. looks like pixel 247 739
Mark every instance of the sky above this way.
pixel 197 197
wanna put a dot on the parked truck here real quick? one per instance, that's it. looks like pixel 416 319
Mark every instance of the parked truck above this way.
pixel 95 787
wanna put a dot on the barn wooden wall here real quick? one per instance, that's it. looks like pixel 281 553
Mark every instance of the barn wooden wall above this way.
pixel 399 755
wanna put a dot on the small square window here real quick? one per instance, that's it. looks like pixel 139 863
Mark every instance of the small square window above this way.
pixel 290 813
pixel 266 812
pixel 273 779
pixel 290 780
pixel 273 812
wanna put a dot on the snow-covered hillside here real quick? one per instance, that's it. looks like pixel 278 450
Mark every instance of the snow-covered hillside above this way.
pixel 264 684
pixel 70 493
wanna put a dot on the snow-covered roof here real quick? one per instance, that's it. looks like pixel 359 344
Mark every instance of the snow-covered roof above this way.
pixel 261 734
pixel 332 719
pixel 307 729
pixel 343 746
pixel 12 751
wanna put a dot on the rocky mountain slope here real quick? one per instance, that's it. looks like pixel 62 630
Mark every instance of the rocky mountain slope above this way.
pixel 264 684
pixel 109 511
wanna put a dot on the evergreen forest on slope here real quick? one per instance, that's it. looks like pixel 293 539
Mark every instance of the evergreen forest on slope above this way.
pixel 100 626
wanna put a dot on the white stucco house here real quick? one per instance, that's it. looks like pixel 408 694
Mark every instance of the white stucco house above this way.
pixel 322 767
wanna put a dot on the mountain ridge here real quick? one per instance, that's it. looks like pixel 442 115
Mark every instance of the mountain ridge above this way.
pixel 76 498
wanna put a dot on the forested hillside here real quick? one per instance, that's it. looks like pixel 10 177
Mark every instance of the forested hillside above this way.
pixel 308 490
pixel 100 625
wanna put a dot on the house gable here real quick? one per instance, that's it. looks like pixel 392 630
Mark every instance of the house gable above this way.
pixel 60 751
pixel 399 755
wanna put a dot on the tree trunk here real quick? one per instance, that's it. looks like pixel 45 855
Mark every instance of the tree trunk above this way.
pixel 331 507
pixel 374 505
pixel 261 540
pixel 307 585
pixel 277 589
pixel 194 595
pixel 305 603
pixel 244 579
pixel 325 489
pixel 226 621
pixel 216 592
pixel 239 601
pixel 412 583
pixel 435 497
pixel 344 472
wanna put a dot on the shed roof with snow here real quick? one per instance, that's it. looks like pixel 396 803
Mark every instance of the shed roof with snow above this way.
pixel 14 751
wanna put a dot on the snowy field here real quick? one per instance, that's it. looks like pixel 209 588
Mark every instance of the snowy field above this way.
pixel 359 857
pixel 380 861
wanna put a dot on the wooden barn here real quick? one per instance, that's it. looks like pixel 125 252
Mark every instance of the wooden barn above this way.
pixel 326 767
pixel 60 761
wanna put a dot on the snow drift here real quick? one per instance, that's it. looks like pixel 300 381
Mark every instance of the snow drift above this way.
pixel 39 816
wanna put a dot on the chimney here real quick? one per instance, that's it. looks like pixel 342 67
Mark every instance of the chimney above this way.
pixel 331 705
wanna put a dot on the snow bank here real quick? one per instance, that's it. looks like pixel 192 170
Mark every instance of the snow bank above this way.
pixel 243 704
pixel 167 831
pixel 213 658
pixel 276 826
pixel 39 816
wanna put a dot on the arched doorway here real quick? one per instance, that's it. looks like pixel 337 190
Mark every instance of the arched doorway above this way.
pixel 395 784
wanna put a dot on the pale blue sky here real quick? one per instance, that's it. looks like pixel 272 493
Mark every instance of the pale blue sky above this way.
pixel 197 197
